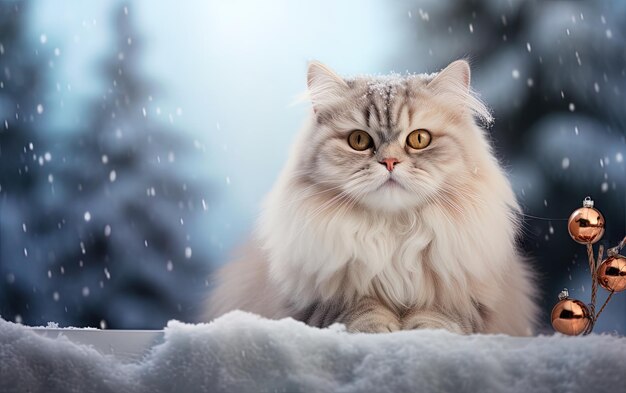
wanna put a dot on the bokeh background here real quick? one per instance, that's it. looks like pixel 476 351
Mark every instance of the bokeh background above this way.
pixel 137 139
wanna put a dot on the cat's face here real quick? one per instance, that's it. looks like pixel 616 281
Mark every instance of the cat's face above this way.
pixel 395 142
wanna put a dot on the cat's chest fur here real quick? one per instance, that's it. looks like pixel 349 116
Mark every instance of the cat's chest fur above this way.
pixel 389 256
pixel 351 256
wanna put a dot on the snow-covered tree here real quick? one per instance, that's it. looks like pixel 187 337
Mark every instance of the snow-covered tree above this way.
pixel 112 228
pixel 22 157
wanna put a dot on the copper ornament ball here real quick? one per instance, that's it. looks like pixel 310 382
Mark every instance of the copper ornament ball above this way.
pixel 612 273
pixel 571 317
pixel 586 225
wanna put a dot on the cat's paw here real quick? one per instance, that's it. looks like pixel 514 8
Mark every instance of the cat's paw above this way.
pixel 434 320
pixel 362 326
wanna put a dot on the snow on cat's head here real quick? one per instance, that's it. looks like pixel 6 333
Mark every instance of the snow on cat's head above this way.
pixel 394 142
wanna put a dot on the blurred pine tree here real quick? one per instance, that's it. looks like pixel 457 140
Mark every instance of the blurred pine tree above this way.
pixel 115 243
pixel 22 153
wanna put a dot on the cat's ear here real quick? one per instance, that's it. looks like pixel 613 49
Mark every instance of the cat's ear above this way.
pixel 325 86
pixel 456 76
pixel 453 83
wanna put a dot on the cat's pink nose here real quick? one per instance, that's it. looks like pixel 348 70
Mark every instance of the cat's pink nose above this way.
pixel 390 163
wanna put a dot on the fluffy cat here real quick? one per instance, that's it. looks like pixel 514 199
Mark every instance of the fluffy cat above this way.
pixel 391 213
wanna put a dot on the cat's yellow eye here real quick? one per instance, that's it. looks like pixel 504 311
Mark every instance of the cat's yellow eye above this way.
pixel 359 140
pixel 418 139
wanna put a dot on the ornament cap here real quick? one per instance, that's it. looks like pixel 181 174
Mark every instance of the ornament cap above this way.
pixel 564 294
pixel 588 202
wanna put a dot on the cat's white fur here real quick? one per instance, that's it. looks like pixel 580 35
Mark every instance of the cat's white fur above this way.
pixel 446 241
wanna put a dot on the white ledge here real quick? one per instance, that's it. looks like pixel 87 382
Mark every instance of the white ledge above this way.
pixel 125 345
pixel 241 352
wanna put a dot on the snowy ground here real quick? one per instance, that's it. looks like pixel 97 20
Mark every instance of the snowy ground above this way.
pixel 243 353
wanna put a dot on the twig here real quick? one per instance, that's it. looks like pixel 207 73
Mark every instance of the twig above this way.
pixel 604 305
pixel 594 284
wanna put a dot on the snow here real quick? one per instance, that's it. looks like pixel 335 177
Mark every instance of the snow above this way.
pixel 241 352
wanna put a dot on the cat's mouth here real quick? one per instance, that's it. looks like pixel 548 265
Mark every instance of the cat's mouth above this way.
pixel 390 183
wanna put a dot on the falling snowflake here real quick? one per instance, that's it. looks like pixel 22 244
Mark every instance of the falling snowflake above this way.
pixel 565 163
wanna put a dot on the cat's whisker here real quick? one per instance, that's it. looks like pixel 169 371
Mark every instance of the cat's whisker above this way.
pixel 329 204
pixel 310 217
pixel 344 206
pixel 303 195
pixel 443 212
pixel 452 205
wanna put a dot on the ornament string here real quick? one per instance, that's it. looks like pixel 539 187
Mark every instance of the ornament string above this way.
pixel 593 268
pixel 610 252
pixel 594 288
pixel 600 252
pixel 604 305
pixel 594 264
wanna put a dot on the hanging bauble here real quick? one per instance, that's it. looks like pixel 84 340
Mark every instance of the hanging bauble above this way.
pixel 586 224
pixel 612 273
pixel 570 316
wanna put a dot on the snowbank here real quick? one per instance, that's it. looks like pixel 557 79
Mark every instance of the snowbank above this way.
pixel 241 352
